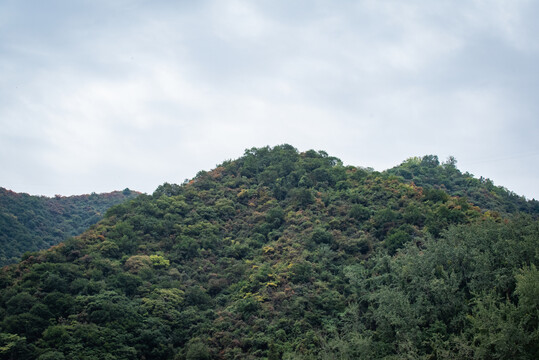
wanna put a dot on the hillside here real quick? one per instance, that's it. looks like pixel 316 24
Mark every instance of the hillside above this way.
pixel 282 255
pixel 31 223
pixel 429 173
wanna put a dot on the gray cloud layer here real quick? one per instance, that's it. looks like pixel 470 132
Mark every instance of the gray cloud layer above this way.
pixel 99 95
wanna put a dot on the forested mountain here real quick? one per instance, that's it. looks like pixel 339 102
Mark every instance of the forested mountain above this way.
pixel 428 173
pixel 282 255
pixel 31 223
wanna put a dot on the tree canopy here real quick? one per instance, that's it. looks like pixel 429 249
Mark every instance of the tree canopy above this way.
pixel 30 223
pixel 282 254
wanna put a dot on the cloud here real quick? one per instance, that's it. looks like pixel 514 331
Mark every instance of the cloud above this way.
pixel 107 95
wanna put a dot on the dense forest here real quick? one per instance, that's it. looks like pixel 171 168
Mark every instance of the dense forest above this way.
pixel 283 254
pixel 428 173
pixel 31 223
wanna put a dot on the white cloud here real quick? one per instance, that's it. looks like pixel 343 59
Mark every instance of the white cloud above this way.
pixel 135 94
pixel 507 19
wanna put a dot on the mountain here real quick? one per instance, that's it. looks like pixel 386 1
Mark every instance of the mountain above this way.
pixel 428 173
pixel 31 223
pixel 282 254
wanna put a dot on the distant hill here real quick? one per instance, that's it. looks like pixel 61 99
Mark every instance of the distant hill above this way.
pixel 429 173
pixel 31 223
pixel 282 254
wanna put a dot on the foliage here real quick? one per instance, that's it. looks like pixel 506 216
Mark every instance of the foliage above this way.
pixel 282 254
pixel 31 223
pixel 443 179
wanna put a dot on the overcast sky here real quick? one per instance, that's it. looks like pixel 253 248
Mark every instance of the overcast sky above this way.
pixel 102 95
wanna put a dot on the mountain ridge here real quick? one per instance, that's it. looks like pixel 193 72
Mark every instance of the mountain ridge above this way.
pixel 423 171
pixel 281 254
pixel 31 223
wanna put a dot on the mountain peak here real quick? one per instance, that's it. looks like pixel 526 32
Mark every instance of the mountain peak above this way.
pixel 283 254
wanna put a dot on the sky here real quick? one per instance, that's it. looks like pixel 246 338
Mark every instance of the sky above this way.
pixel 99 95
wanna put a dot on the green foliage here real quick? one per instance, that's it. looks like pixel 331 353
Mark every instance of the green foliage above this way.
pixel 359 212
pixel 509 330
pixel 159 262
pixel 31 223
pixel 197 350
pixel 441 180
pixel 282 254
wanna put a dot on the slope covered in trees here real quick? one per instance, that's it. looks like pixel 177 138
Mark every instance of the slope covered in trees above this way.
pixel 428 173
pixel 281 254
pixel 30 223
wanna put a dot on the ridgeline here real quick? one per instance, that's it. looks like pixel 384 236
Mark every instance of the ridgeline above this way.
pixel 31 223
pixel 288 255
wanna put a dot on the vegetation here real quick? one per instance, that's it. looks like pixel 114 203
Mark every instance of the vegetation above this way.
pixel 281 254
pixel 428 173
pixel 31 223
